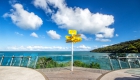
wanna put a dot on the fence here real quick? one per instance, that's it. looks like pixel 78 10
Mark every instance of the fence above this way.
pixel 105 62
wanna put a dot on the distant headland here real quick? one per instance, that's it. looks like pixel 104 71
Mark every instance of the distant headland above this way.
pixel 132 46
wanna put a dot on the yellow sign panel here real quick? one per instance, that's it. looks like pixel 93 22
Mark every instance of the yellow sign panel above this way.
pixel 73 38
pixel 72 32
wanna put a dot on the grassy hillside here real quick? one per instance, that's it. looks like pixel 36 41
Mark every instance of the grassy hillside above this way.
pixel 132 46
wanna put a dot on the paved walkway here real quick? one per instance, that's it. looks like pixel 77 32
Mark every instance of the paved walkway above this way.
pixel 78 73
pixel 20 73
pixel 125 74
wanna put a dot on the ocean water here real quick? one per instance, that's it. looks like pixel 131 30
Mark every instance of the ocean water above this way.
pixel 46 53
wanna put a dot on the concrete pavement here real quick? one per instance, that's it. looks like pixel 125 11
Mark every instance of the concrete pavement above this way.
pixel 20 73
pixel 78 73
pixel 124 74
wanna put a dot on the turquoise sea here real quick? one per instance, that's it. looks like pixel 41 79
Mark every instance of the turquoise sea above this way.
pixel 40 53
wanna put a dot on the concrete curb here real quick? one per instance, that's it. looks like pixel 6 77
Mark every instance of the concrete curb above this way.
pixel 46 78
pixel 103 75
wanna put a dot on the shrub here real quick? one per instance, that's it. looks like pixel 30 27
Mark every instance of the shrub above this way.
pixel 82 64
pixel 44 62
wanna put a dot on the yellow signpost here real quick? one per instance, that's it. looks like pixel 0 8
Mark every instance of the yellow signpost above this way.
pixel 73 39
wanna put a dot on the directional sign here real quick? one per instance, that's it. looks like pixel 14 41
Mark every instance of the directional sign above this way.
pixel 74 38
pixel 72 32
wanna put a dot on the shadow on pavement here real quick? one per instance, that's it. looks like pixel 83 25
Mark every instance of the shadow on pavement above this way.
pixel 136 76
pixel 127 78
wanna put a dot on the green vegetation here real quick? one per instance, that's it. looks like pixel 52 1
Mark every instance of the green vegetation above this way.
pixel 132 46
pixel 44 62
pixel 82 64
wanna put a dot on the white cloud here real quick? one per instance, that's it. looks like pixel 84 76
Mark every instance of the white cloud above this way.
pixel 85 38
pixel 38 48
pixel 23 18
pixel 16 48
pixel 18 33
pixel 59 47
pixel 80 19
pixel 47 48
pixel 99 35
pixel 42 4
pixel 53 34
pixel 104 45
pixel 102 40
pixel 33 34
pixel 83 47
pixel 117 35
pixel 35 48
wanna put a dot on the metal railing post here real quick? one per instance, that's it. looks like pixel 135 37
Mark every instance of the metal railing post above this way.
pixel 119 62
pixel 138 61
pixel 14 62
pixel 35 62
pixel 11 60
pixel 110 63
pixel 128 62
pixel 20 60
pixel 1 60
pixel 29 61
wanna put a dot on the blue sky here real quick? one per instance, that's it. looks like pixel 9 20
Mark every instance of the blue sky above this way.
pixel 43 24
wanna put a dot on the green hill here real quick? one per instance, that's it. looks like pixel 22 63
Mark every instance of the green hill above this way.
pixel 132 46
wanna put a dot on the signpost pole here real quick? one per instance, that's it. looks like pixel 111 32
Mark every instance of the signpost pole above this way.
pixel 72 57
pixel 73 38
